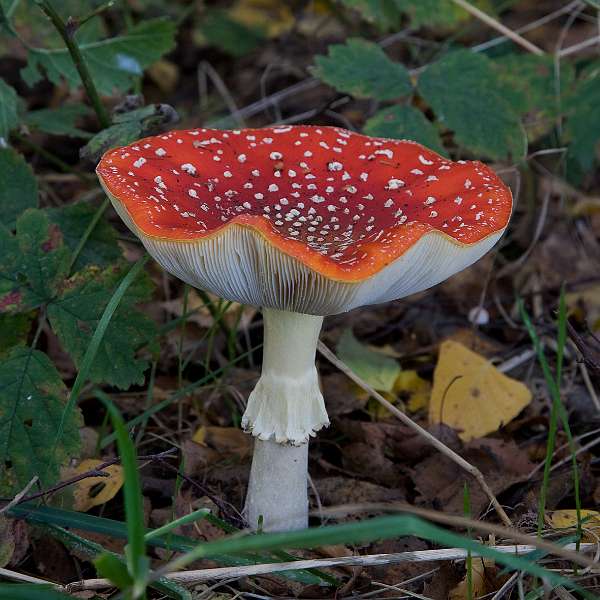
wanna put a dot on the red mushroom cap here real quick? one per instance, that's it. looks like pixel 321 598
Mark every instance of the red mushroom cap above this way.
pixel 343 204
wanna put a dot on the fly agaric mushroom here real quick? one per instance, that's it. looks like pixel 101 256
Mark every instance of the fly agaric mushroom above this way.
pixel 304 222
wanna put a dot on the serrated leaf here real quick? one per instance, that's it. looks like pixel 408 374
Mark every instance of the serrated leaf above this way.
pixel 32 399
pixel 102 246
pixel 9 118
pixel 114 64
pixel 130 126
pixel 465 94
pixel 532 88
pixel 377 369
pixel 59 121
pixel 74 316
pixel 18 186
pixel 362 69
pixel 583 123
pixel 404 123
pixel 33 263
pixel 13 331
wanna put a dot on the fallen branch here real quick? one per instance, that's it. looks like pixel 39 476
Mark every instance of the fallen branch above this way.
pixel 431 439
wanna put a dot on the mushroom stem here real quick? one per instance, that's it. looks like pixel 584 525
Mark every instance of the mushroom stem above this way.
pixel 277 490
pixel 285 408
pixel 287 405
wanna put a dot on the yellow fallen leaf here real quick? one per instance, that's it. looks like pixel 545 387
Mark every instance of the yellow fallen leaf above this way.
pixel 585 305
pixel 409 390
pixel 481 583
pixel 413 390
pixel 93 491
pixel 470 395
pixel 567 518
pixel 229 440
pixel 272 16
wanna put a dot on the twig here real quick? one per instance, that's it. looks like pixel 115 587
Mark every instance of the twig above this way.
pixel 14 576
pixel 494 24
pixel 459 460
pixel 369 560
pixel 19 496
pixel 78 60
pixel 98 471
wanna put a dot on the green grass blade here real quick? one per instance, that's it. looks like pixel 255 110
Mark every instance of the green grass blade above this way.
pixel 88 231
pixel 361 532
pixel 30 591
pixel 92 349
pixel 557 411
pixel 197 515
pixel 95 551
pixel 469 561
pixel 138 563
pixel 117 529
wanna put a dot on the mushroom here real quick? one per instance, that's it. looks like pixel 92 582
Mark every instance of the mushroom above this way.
pixel 304 222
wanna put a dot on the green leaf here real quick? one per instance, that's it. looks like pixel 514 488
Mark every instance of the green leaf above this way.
pixel 533 90
pixel 9 118
pixel 75 314
pixel 362 69
pixel 109 566
pixel 114 64
pixel 59 121
pixel 32 399
pixel 18 186
pixel 404 123
pixel 33 263
pixel 377 369
pixel 30 591
pixel 583 124
pixel 384 14
pixel 13 331
pixel 128 127
pixel 102 247
pixel 220 30
pixel 467 98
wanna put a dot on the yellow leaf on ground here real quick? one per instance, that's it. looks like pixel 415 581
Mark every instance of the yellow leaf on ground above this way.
pixel 481 582
pixel 413 390
pixel 93 491
pixel 409 390
pixel 567 518
pixel 470 395
pixel 228 440
pixel 272 16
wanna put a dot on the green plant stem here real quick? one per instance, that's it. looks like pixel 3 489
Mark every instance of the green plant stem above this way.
pixel 78 61
pixel 469 561
pixel 558 410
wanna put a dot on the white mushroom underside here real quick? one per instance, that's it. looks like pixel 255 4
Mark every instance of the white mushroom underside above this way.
pixel 240 264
